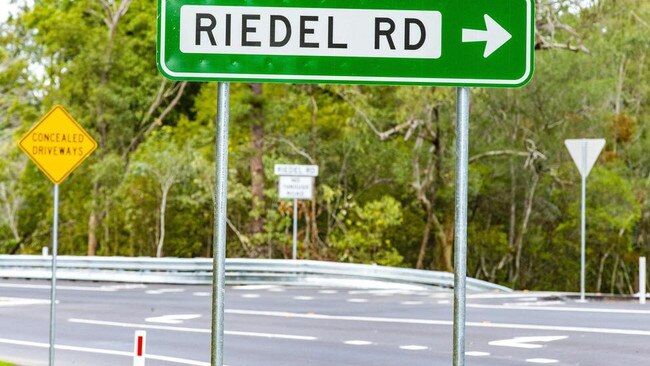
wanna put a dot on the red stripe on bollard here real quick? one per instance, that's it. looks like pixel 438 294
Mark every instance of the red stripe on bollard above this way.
pixel 139 345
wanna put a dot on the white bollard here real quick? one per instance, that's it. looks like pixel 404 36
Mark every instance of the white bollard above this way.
pixel 642 293
pixel 45 251
pixel 139 347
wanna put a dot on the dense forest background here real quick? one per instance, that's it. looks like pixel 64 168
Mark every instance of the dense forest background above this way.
pixel 385 193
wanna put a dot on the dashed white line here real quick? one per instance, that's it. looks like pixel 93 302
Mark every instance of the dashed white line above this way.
pixel 442 302
pixel 328 292
pixel 303 298
pixel 411 303
pixel 250 296
pixel 164 291
pixel 201 294
pixel 18 301
pixel 358 300
pixel 477 353
pixel 414 347
pixel 357 343
pixel 542 360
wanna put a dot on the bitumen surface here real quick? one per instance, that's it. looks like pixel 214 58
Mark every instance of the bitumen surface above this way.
pixel 319 326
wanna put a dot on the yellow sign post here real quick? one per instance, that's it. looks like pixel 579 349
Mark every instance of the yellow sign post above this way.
pixel 58 145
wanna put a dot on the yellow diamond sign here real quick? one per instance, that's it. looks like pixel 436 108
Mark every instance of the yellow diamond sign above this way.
pixel 57 144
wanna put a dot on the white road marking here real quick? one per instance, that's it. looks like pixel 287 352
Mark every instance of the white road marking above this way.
pixel 477 353
pixel 19 301
pixel 534 303
pixel 541 360
pixel 201 294
pixel 102 351
pixel 172 319
pixel 250 296
pixel 276 289
pixel 551 308
pixel 443 302
pixel 191 330
pixel 357 343
pixel 303 298
pixel 411 302
pixel 528 299
pixel 253 287
pixel 164 291
pixel 414 347
pixel 526 342
pixel 328 292
pixel 358 300
pixel 59 287
pixel 284 314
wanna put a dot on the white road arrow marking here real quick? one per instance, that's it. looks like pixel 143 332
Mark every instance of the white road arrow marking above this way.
pixel 494 36
pixel 172 319
pixel 525 342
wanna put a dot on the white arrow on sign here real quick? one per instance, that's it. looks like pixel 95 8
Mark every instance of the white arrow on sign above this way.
pixel 494 36
pixel 172 319
pixel 584 152
pixel 525 342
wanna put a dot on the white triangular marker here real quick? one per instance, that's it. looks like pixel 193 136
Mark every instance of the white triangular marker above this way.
pixel 584 153
pixel 494 36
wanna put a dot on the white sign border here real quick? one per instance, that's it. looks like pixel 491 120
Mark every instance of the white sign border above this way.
pixel 327 78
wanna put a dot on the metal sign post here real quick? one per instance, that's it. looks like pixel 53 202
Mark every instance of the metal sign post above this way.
pixel 57 144
pixel 460 224
pixel 584 153
pixel 294 252
pixel 55 247
pixel 220 211
pixel 295 182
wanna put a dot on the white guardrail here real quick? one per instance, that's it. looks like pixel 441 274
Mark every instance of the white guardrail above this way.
pixel 238 271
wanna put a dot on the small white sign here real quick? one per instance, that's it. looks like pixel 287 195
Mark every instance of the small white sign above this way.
pixel 296 170
pixel 296 187
pixel 584 153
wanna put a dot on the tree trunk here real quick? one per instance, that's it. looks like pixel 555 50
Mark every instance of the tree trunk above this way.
pixel 163 208
pixel 524 225
pixel 426 234
pixel 256 162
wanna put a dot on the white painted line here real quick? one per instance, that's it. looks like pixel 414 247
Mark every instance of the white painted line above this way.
pixel 59 287
pixel 201 294
pixel 358 300
pixel 172 319
pixel 568 309
pixel 303 298
pixel 276 289
pixel 253 287
pixel 411 302
pixel 413 347
pixel 283 314
pixel 357 343
pixel 19 301
pixel 190 330
pixel 102 351
pixel 477 353
pixel 534 303
pixel 165 291
pixel 541 360
pixel 250 296
pixel 443 302
pixel 528 299
pixel 328 292
pixel 526 342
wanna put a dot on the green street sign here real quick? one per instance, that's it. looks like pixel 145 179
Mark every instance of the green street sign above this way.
pixel 422 42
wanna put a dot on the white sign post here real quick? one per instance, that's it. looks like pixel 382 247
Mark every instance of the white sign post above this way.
pixel 584 153
pixel 296 182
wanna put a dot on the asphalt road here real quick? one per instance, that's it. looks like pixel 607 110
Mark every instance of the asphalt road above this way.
pixel 296 326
